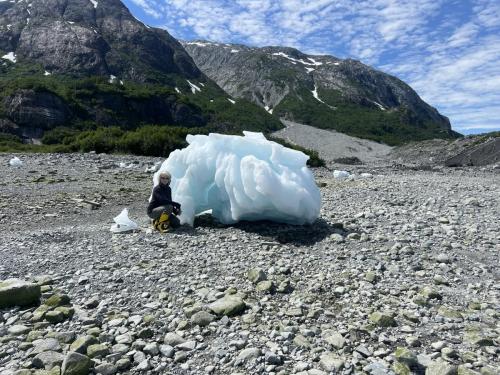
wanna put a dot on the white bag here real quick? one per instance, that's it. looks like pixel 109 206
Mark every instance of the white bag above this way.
pixel 123 223
pixel 15 162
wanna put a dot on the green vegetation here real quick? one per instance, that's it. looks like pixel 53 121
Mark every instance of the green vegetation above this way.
pixel 356 120
pixel 130 117
pixel 147 140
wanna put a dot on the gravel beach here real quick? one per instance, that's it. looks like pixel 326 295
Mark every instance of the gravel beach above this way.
pixel 399 275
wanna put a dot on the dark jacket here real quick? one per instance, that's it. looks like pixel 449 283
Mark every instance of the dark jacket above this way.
pixel 162 195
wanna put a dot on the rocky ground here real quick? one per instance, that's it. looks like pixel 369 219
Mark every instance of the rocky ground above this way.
pixel 333 146
pixel 398 275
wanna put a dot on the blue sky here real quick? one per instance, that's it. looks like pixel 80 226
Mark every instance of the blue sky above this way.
pixel 447 50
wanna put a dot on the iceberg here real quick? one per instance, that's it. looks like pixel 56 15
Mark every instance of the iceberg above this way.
pixel 242 178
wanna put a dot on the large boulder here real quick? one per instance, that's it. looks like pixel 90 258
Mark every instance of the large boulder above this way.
pixel 229 305
pixel 76 364
pixel 15 292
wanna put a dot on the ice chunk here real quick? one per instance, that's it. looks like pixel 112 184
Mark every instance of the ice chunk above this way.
pixel 15 162
pixel 340 175
pixel 242 178
pixel 123 223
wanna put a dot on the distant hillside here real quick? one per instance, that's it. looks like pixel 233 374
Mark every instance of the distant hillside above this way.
pixel 322 91
pixel 79 64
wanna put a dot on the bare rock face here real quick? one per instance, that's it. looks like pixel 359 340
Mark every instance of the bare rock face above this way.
pixel 37 109
pixel 80 38
pixel 73 40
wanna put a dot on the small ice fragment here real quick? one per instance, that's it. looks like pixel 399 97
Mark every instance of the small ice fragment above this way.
pixel 340 175
pixel 15 162
pixel 123 223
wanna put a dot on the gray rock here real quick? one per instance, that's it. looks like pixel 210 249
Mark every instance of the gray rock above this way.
pixel 81 344
pixel 123 364
pixel 107 368
pixel 45 345
pixel 75 364
pixel 331 362
pixel 202 318
pixel 383 319
pixel 15 292
pixel 124 339
pixel 256 275
pixel 47 360
pixel 265 286
pixel 18 329
pixel 97 350
pixel 378 368
pixel 273 359
pixel 229 305
pixel 151 349
pixel 187 346
pixel 173 339
pixel 144 365
pixel 440 367
pixel 167 351
pixel 335 339
pixel 139 357
pixel 248 354
pixel 406 357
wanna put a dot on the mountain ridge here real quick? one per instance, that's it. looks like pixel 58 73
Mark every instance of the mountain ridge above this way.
pixel 320 90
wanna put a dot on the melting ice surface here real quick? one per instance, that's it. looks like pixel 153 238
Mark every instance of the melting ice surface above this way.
pixel 242 178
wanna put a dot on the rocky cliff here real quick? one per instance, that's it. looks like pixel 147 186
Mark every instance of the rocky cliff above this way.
pixel 322 91
pixel 91 63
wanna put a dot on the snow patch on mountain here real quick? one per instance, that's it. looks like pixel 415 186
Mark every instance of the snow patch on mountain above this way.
pixel 200 44
pixel 382 108
pixel 294 61
pixel 11 56
pixel 194 88
pixel 315 94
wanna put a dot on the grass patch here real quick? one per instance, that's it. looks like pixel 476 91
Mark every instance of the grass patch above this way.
pixel 390 127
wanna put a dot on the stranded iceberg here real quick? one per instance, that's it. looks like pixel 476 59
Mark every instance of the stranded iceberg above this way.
pixel 242 178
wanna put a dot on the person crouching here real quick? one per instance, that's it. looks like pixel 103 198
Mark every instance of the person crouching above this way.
pixel 161 202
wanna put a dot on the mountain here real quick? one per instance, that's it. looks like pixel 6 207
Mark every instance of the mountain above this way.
pixel 89 63
pixel 322 91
